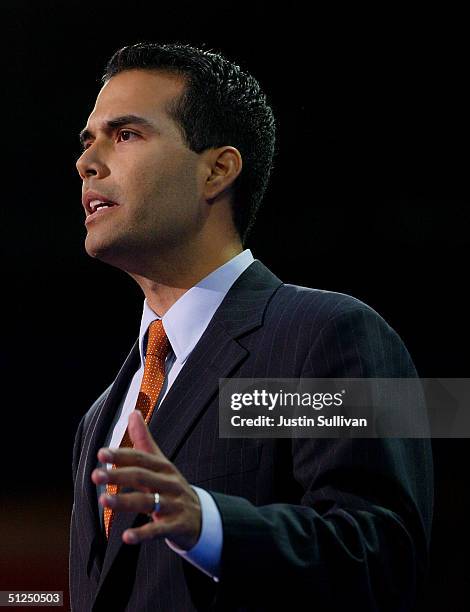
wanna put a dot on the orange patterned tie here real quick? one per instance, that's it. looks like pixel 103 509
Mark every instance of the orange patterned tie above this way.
pixel 152 382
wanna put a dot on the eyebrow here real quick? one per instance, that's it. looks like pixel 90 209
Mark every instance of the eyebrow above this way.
pixel 117 122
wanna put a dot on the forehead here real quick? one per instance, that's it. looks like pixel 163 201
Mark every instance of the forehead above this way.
pixel 137 92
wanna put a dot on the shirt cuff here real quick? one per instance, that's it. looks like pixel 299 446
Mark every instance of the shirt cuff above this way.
pixel 207 551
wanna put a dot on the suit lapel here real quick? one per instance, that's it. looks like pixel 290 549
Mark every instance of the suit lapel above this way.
pixel 96 431
pixel 216 355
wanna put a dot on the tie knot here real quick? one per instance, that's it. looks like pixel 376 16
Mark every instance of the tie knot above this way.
pixel 157 341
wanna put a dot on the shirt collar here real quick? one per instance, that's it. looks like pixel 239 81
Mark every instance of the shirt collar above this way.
pixel 188 317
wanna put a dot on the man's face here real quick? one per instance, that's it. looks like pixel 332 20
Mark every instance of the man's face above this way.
pixel 135 157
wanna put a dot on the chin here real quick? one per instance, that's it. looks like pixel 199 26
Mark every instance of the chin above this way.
pixel 114 253
pixel 100 249
pixel 93 247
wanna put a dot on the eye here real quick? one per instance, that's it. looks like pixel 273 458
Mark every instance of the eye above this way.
pixel 125 135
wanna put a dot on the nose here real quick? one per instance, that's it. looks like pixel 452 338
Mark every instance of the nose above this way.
pixel 90 163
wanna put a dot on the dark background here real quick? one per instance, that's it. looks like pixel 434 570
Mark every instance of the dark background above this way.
pixel 369 197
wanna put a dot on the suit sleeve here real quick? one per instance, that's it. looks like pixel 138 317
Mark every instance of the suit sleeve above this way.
pixel 360 532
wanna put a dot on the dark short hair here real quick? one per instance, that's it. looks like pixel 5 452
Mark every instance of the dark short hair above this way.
pixel 221 105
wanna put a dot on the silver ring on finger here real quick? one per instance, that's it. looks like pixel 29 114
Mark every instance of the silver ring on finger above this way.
pixel 157 505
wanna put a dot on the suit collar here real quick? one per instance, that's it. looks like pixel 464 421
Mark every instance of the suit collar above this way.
pixel 189 316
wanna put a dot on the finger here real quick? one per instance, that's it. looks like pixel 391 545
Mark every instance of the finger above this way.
pixel 155 529
pixel 136 478
pixel 137 502
pixel 140 435
pixel 131 456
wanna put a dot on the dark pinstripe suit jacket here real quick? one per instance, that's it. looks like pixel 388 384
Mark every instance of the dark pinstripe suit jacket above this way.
pixel 312 524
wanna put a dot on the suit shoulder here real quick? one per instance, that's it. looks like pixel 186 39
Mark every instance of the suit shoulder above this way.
pixel 337 321
pixel 321 304
pixel 319 311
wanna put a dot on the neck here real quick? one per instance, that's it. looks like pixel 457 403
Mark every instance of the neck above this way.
pixel 168 281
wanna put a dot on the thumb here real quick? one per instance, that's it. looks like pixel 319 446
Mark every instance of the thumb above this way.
pixel 140 435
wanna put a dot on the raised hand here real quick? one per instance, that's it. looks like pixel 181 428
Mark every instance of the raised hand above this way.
pixel 146 470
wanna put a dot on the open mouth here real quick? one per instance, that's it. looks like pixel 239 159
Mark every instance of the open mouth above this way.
pixel 98 208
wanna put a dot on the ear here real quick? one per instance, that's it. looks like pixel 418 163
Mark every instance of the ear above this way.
pixel 224 165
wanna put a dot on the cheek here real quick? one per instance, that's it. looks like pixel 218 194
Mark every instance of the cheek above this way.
pixel 173 183
pixel 165 185
pixel 138 184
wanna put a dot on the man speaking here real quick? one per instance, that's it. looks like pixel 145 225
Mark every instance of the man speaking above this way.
pixel 167 515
